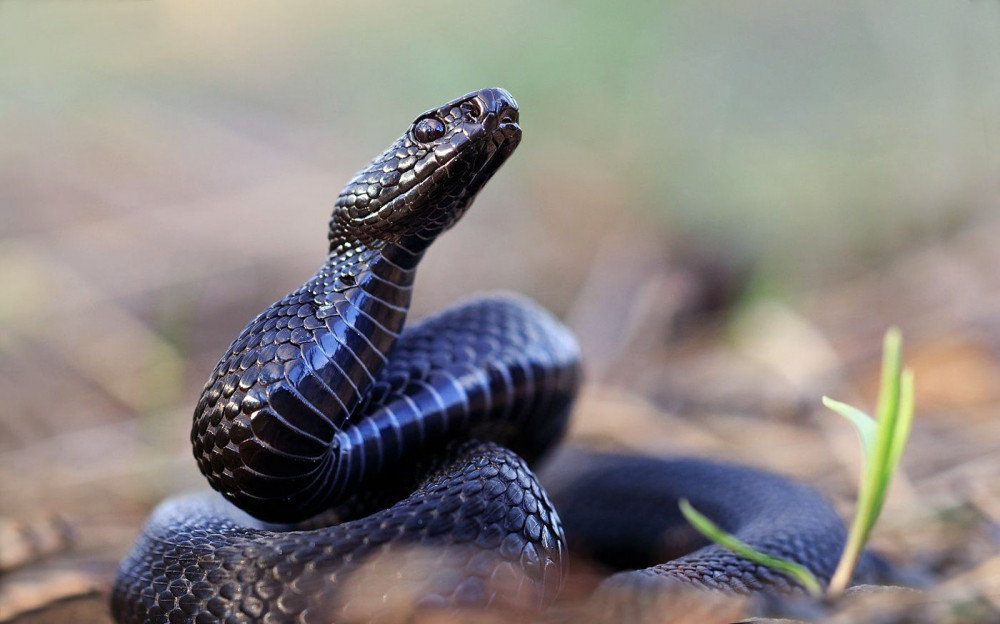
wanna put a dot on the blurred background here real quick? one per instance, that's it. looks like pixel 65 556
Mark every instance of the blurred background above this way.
pixel 728 202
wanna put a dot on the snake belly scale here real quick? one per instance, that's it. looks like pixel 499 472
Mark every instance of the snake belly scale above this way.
pixel 334 437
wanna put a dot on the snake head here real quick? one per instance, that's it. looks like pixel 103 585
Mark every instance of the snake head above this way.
pixel 426 180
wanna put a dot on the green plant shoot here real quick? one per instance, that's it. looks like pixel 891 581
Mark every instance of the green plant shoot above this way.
pixel 882 441
pixel 712 531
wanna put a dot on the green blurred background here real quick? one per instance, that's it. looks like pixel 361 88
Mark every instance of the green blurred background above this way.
pixel 811 135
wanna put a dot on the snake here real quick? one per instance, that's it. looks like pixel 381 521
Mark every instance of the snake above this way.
pixel 357 464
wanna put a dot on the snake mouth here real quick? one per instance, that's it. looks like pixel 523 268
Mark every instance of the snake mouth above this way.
pixel 505 139
pixel 509 121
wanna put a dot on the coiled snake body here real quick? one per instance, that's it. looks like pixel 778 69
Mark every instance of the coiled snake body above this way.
pixel 338 440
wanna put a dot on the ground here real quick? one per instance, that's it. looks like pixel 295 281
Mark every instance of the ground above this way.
pixel 696 369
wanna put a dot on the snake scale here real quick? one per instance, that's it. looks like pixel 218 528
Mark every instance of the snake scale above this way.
pixel 340 443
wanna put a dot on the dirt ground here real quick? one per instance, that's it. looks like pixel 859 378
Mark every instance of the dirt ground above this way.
pixel 91 439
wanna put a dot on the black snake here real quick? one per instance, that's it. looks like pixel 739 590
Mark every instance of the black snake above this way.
pixel 341 443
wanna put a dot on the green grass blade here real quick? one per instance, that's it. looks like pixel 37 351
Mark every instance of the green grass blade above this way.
pixel 883 449
pixel 904 423
pixel 709 529
pixel 865 424
pixel 886 431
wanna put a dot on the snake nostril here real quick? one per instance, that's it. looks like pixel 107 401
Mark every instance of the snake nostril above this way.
pixel 508 116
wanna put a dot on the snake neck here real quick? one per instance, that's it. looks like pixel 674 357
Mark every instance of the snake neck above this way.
pixel 364 287
pixel 266 422
pixel 351 255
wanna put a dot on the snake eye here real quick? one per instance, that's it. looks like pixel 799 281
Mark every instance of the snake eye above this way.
pixel 428 129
